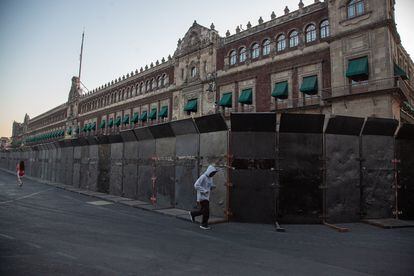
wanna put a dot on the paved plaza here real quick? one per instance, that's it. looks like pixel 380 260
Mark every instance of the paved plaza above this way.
pixel 49 231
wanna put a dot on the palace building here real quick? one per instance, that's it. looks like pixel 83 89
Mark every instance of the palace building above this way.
pixel 336 57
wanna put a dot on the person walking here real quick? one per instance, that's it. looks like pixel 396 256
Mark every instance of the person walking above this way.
pixel 20 172
pixel 204 185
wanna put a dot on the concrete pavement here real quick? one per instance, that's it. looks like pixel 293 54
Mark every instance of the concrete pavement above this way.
pixel 49 231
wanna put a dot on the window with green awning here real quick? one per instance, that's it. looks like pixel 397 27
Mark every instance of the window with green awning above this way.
pixel 102 124
pixel 246 96
pixel 153 114
pixel 309 85
pixel 191 106
pixel 118 121
pixel 135 119
pixel 399 72
pixel 89 127
pixel 280 91
pixel 358 69
pixel 85 128
pixel 163 112
pixel 143 116
pixel 111 122
pixel 126 119
pixel 226 100
pixel 69 131
pixel 93 126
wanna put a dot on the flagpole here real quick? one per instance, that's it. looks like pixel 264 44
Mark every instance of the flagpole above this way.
pixel 80 59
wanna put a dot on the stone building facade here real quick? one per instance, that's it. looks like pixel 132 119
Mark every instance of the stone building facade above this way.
pixel 337 57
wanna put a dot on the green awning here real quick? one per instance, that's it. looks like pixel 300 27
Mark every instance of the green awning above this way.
pixel 125 121
pixel 111 122
pixel 309 85
pixel 399 72
pixel 163 112
pixel 358 69
pixel 191 106
pixel 102 124
pixel 85 128
pixel 143 116
pixel 153 114
pixel 135 118
pixel 118 121
pixel 89 127
pixel 281 90
pixel 246 96
pixel 70 131
pixel 93 126
pixel 226 100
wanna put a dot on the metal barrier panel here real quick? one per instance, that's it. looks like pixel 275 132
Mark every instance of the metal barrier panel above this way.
pixel 164 164
pixel 67 165
pixel 92 180
pixel 84 167
pixel 146 163
pixel 77 156
pixel 186 162
pixel 300 165
pixel 52 163
pixel 405 156
pixel 130 174
pixel 213 151
pixel 104 167
pixel 115 176
pixel 377 152
pixel 253 178
pixel 342 183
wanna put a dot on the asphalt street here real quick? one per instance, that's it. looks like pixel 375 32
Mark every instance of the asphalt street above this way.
pixel 49 231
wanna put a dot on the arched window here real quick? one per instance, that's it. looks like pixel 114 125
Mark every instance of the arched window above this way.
pixel 355 8
pixel 281 43
pixel 141 86
pixel 152 84
pixel 193 71
pixel 324 28
pixel 233 57
pixel 293 39
pixel 242 54
pixel 147 86
pixel 163 80
pixel 266 47
pixel 255 50
pixel 310 33
pixel 159 81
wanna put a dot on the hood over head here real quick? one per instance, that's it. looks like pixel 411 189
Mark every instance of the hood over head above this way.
pixel 209 170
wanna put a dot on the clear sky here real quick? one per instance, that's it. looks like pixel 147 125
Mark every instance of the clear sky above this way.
pixel 40 41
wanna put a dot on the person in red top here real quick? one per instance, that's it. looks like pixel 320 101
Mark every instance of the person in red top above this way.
pixel 20 172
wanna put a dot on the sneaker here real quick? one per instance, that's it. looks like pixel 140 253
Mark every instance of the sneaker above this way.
pixel 191 217
pixel 205 227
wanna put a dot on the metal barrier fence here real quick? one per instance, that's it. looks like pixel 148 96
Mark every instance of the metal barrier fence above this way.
pixel 312 169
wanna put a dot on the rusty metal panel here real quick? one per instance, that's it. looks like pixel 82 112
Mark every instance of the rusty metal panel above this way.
pixel 377 152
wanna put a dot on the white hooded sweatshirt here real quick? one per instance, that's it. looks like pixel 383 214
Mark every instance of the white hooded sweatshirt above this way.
pixel 204 183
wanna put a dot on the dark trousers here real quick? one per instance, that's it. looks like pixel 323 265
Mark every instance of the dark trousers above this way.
pixel 204 210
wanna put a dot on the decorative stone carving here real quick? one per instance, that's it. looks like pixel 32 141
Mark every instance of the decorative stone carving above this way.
pixel 212 27
pixel 228 33
pixel 127 75
pixel 157 62
pixel 136 71
pixel 301 5
pixel 249 25
pixel 237 30
pixel 163 60
pixel 169 57
pixel 152 64
pixel 286 10
pixel 146 67
pixel 141 69
pixel 273 15
pixel 260 20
